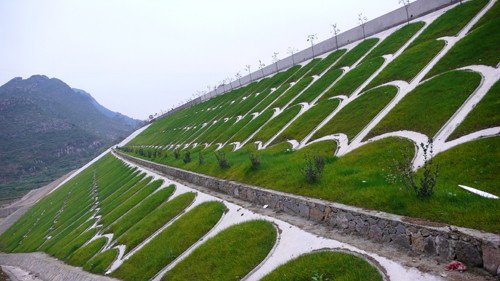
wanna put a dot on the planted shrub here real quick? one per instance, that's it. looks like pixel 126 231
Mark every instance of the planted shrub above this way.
pixel 201 158
pixel 313 170
pixel 177 154
pixel 422 185
pixel 187 157
pixel 255 160
pixel 222 159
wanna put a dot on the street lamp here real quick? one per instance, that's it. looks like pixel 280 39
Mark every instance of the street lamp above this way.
pixel 291 51
pixel 362 21
pixel 335 31
pixel 311 38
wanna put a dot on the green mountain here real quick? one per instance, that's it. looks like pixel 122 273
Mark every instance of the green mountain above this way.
pixel 48 129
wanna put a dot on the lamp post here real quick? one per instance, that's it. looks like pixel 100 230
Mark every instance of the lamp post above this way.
pixel 275 60
pixel 362 21
pixel 406 3
pixel 291 51
pixel 335 31
pixel 311 38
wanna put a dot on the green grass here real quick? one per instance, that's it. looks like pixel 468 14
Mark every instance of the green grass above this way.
pixel 139 212
pixel 156 219
pixel 302 71
pixel 276 124
pixel 355 78
pixel 451 22
pixel 319 86
pixel 299 129
pixel 233 129
pixel 395 41
pixel 357 52
pixel 330 265
pixel 492 15
pixel 230 255
pixel 171 242
pixel 252 126
pixel 82 255
pixel 407 65
pixel 280 90
pixel 101 262
pixel 292 92
pixel 485 115
pixel 427 108
pixel 323 65
pixel 361 178
pixel 478 48
pixel 356 115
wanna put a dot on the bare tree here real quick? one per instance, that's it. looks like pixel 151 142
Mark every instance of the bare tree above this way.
pixel 230 81
pixel 335 31
pixel 406 3
pixel 238 76
pixel 275 60
pixel 261 67
pixel 311 38
pixel 362 21
pixel 291 51
pixel 247 67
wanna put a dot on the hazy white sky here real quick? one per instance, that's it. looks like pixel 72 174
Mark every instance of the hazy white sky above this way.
pixel 139 57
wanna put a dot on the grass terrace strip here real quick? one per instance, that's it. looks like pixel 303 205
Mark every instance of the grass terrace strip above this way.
pixel 325 265
pixel 355 78
pixel 292 92
pixel 484 115
pixel 271 128
pixel 101 262
pixel 142 210
pixel 230 255
pixel 430 105
pixel 357 114
pixel 319 86
pixel 325 63
pixel 85 253
pixel 301 127
pixel 252 126
pixel 156 219
pixel 356 53
pixel 171 242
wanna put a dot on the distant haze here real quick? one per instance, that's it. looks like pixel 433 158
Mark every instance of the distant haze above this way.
pixel 140 57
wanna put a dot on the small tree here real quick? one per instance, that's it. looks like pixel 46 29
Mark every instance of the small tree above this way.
pixel 422 185
pixel 222 160
pixel 406 3
pixel 313 170
pixel 335 31
pixel 254 160
pixel 248 68
pixel 291 51
pixel 275 60
pixel 362 21
pixel 187 157
pixel 177 153
pixel 311 38
pixel 201 158
pixel 261 67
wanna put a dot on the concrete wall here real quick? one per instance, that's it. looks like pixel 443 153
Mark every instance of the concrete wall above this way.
pixel 437 240
pixel 416 9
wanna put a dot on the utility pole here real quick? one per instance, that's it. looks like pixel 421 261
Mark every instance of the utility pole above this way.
pixel 311 38
pixel 335 31
pixel 362 21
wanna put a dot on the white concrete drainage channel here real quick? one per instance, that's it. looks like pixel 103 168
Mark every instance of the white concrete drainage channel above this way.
pixel 291 243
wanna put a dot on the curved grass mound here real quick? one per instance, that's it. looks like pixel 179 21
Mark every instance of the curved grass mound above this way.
pixel 171 242
pixel 82 255
pixel 325 265
pixel 430 105
pixel 230 255
pixel 356 115
pixel 278 122
pixel 101 262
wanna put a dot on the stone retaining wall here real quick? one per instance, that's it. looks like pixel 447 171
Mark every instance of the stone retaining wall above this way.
pixel 438 240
